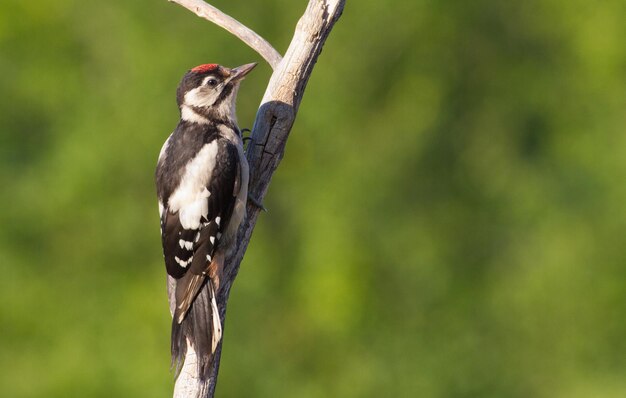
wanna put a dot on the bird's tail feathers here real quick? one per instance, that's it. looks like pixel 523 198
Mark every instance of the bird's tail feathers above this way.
pixel 216 334
pixel 201 328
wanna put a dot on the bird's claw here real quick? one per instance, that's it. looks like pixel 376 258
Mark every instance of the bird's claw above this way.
pixel 246 139
pixel 256 202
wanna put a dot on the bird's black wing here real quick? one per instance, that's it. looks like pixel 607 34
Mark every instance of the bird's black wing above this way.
pixel 188 252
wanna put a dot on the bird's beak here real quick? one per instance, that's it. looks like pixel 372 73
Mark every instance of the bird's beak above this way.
pixel 240 72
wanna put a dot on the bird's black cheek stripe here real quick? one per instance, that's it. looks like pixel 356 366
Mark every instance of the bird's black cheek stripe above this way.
pixel 224 94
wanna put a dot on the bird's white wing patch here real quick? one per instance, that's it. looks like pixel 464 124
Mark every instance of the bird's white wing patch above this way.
pixel 191 215
pixel 189 199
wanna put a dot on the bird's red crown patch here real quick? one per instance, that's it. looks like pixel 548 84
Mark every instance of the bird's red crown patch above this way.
pixel 205 68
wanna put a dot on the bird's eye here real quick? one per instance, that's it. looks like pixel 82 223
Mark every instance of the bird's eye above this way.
pixel 211 82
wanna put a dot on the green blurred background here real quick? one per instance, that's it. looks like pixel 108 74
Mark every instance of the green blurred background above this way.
pixel 448 221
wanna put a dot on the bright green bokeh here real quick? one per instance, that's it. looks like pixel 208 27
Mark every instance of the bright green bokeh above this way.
pixel 448 221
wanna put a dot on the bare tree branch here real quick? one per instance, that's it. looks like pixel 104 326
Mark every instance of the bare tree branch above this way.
pixel 245 34
pixel 272 126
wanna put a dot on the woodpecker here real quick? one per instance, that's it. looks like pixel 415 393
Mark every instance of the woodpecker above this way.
pixel 202 187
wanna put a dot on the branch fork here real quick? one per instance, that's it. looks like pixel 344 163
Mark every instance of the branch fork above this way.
pixel 245 34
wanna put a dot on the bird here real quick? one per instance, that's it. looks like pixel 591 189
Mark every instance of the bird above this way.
pixel 202 188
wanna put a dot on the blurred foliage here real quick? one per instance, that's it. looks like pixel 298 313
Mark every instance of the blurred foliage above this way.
pixel 448 220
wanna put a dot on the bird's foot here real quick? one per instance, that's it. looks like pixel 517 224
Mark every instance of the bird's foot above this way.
pixel 248 137
pixel 246 140
pixel 256 202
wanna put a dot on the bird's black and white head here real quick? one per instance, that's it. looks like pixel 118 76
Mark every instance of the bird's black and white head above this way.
pixel 208 93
